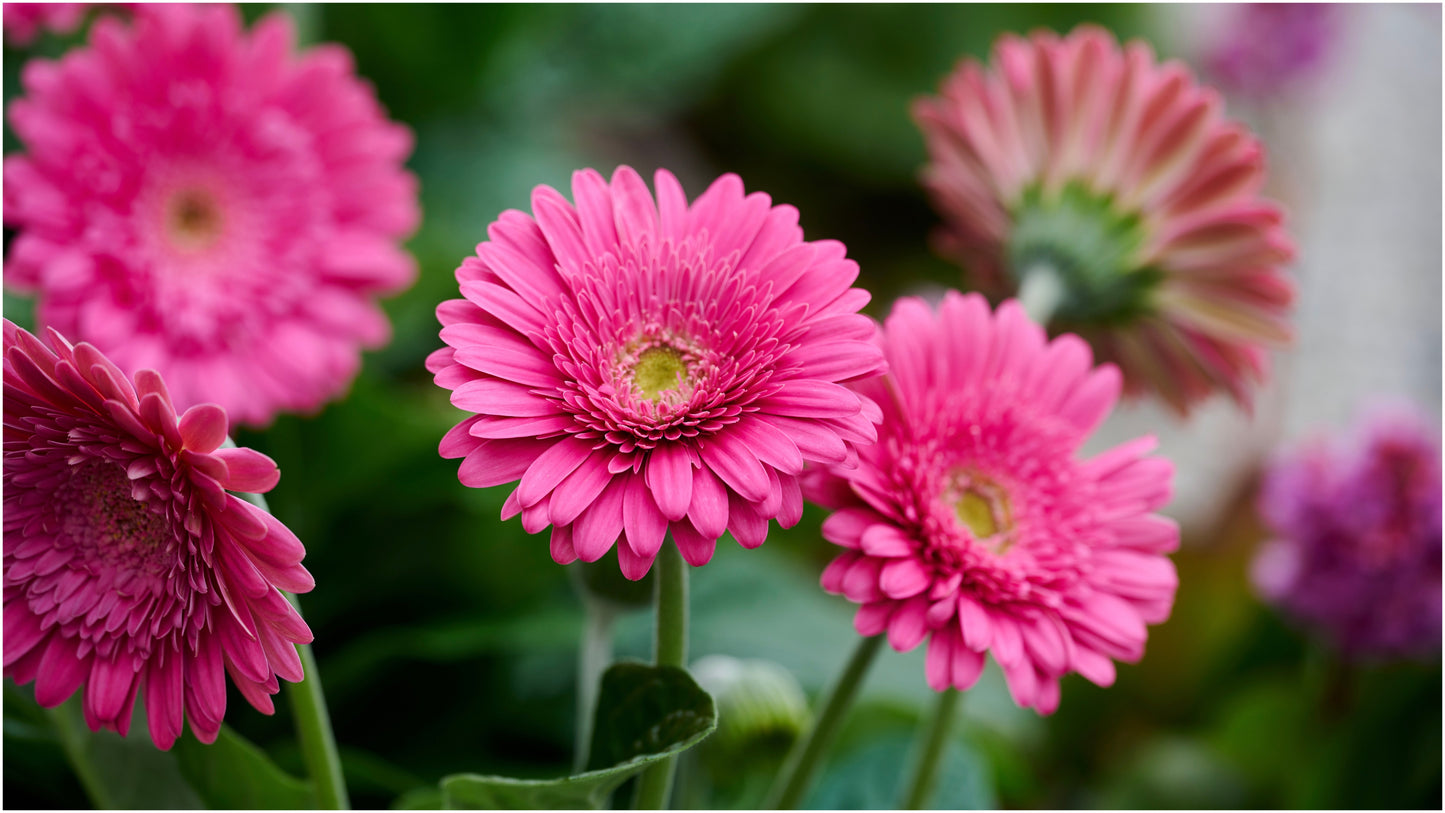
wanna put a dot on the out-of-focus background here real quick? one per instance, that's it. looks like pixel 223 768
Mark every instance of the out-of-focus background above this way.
pixel 446 638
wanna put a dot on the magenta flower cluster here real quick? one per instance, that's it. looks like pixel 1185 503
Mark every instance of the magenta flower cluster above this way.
pixel 1356 555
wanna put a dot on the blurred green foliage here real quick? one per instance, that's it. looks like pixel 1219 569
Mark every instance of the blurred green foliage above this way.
pixel 446 638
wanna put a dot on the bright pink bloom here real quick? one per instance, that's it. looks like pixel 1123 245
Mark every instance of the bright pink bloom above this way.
pixel 1122 177
pixel 203 201
pixel 128 567
pixel 646 367
pixel 974 522
pixel 23 21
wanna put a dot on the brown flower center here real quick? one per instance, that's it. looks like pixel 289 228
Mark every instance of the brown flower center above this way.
pixel 193 219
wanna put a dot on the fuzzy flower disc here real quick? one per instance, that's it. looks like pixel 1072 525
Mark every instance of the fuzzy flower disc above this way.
pixel 128 568
pixel 204 201
pixel 975 524
pixel 649 366
pixel 1118 181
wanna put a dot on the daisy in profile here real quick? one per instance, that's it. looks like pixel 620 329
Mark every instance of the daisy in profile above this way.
pixel 647 366
pixel 129 571
pixel 1110 192
pixel 202 200
pixel 975 524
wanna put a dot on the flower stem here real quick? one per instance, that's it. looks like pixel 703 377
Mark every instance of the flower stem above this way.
pixel 313 729
pixel 593 657
pixel 654 786
pixel 313 722
pixel 796 776
pixel 70 728
pixel 1041 292
pixel 935 738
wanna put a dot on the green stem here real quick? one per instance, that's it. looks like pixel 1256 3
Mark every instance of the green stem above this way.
pixel 313 729
pixel 935 738
pixel 796 777
pixel 593 657
pixel 1041 292
pixel 654 786
pixel 313 722
pixel 69 722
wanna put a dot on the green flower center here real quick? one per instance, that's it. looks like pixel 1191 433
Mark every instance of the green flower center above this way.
pixel 983 508
pixel 1091 249
pixel 659 369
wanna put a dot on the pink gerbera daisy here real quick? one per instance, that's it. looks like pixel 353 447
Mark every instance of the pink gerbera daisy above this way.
pixel 974 522
pixel 203 201
pixel 1115 188
pixel 646 367
pixel 128 567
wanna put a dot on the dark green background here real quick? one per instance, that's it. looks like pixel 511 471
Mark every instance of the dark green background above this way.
pixel 446 637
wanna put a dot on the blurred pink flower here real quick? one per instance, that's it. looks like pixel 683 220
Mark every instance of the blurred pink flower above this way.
pixel 974 523
pixel 651 367
pixel 1270 48
pixel 23 21
pixel 128 567
pixel 1120 179
pixel 1357 555
pixel 202 201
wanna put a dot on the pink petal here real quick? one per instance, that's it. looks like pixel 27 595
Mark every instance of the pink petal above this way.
pixel 709 509
pixel 560 459
pixel 669 475
pixel 563 551
pixel 967 666
pixel 735 463
pixel 938 666
pixel 599 525
pixel 903 578
pixel 748 526
pixel 696 549
pixel 645 526
pixel 805 398
pixel 248 470
pixel 580 488
pixel 164 698
pixel 872 618
pixel 886 541
pixel 203 428
pixel 908 625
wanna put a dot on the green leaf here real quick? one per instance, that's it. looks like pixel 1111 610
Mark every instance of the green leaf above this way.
pixel 872 777
pixel 644 714
pixel 231 773
pixel 121 772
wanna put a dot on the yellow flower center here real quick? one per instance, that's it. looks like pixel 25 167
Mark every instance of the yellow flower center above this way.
pixel 984 509
pixel 658 370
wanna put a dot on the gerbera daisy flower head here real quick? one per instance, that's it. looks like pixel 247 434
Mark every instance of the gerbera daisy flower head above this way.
pixel 202 200
pixel 974 522
pixel 128 568
pixel 1356 517
pixel 647 366
pixel 1113 186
